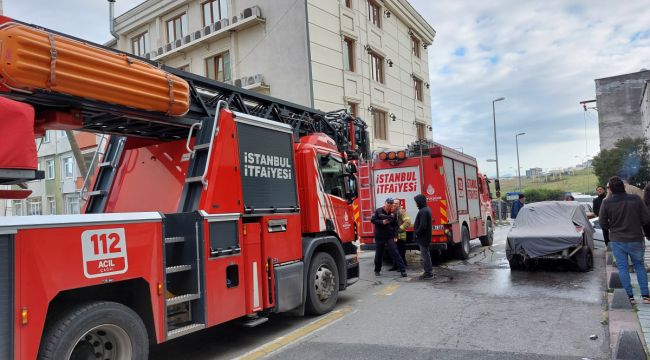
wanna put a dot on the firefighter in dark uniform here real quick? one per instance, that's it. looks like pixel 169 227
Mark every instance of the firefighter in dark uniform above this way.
pixel 385 222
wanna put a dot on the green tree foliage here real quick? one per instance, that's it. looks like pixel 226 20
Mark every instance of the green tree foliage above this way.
pixel 535 195
pixel 627 159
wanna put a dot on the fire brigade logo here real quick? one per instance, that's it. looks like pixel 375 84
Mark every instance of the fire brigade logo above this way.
pixel 346 217
pixel 104 252
pixel 430 190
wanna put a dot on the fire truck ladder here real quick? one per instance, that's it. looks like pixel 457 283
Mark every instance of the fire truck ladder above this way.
pixel 98 197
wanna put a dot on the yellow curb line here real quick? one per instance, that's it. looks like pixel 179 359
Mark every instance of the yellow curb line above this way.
pixel 388 290
pixel 296 335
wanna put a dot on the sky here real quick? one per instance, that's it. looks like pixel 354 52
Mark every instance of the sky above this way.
pixel 542 56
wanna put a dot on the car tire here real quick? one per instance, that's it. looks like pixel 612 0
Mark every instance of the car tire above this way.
pixel 322 284
pixel 461 250
pixel 107 330
pixel 488 239
pixel 517 262
pixel 584 259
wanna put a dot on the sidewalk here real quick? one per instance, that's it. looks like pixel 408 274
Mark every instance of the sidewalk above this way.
pixel 643 312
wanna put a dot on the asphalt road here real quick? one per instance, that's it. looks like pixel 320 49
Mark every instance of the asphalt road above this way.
pixel 476 308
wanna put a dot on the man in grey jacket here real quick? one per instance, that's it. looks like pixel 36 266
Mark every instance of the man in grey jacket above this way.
pixel 624 215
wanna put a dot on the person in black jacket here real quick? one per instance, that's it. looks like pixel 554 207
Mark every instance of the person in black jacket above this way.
pixel 385 223
pixel 599 200
pixel 422 234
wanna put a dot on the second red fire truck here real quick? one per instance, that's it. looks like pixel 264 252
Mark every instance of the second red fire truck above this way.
pixel 457 193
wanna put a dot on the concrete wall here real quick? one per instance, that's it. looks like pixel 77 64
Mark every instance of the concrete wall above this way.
pixel 619 113
pixel 645 110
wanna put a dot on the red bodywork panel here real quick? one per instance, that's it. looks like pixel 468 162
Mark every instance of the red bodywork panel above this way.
pixel 51 260
pixel 17 151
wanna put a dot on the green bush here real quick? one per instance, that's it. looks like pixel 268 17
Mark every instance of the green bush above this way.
pixel 535 195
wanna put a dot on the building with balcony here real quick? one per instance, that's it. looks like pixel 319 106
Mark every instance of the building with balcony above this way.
pixel 369 56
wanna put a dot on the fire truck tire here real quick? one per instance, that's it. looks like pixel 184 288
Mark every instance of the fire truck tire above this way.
pixel 322 284
pixel 461 250
pixel 488 239
pixel 102 330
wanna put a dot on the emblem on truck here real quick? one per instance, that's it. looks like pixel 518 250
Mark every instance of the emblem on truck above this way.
pixel 104 252
pixel 431 190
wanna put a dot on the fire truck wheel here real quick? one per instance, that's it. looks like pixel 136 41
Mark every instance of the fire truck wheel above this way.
pixel 97 330
pixel 461 250
pixel 488 239
pixel 322 285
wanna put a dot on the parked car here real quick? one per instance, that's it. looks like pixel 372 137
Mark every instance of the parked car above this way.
pixel 598 230
pixel 551 230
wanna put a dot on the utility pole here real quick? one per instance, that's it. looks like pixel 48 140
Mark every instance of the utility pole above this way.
pixel 518 167
pixel 496 151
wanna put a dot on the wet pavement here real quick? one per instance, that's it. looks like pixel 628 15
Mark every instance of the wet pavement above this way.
pixel 475 309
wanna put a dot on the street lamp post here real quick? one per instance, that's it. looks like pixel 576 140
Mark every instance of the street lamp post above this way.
pixel 518 167
pixel 496 151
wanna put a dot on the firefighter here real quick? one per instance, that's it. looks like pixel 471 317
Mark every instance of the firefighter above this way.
pixel 403 223
pixel 385 223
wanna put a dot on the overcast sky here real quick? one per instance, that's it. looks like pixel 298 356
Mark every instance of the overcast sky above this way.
pixel 542 56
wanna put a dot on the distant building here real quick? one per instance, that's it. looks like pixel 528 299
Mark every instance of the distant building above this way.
pixel 645 109
pixel 370 56
pixel 534 172
pixel 58 192
pixel 619 114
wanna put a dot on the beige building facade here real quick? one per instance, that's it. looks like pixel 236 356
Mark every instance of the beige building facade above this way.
pixel 369 56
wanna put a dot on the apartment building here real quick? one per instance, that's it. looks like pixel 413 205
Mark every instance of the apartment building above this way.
pixel 369 56
pixel 58 192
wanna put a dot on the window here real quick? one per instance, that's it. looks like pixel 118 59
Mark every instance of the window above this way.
pixel 214 11
pixel 348 4
pixel 67 171
pixel 46 137
pixel 421 131
pixel 49 169
pixel 415 46
pixel 332 170
pixel 176 28
pixel 380 124
pixel 34 207
pixel 218 67
pixel 139 44
pixel 51 205
pixel 61 133
pixel 348 54
pixel 18 208
pixel 72 204
pixel 354 109
pixel 377 67
pixel 417 85
pixel 374 13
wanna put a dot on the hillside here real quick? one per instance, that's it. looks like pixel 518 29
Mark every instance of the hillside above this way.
pixel 583 181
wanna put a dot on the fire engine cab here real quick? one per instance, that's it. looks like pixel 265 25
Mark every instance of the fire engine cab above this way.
pixel 457 194
pixel 210 203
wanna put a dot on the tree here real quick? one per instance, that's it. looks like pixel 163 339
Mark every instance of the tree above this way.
pixel 629 159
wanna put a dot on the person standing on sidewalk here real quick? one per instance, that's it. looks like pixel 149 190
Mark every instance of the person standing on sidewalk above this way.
pixel 403 223
pixel 602 193
pixel 422 235
pixel 517 205
pixel 624 215
pixel 385 223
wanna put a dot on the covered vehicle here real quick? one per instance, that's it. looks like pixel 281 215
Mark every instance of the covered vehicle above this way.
pixel 551 230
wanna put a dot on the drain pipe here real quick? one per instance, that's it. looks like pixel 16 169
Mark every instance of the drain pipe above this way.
pixel 111 19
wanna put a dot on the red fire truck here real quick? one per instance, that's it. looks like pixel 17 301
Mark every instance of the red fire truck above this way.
pixel 211 203
pixel 457 194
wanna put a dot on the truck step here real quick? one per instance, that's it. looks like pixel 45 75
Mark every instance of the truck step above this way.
pixel 202 146
pixel 254 321
pixel 174 239
pixel 193 179
pixel 184 330
pixel 182 298
pixel 96 193
pixel 177 268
